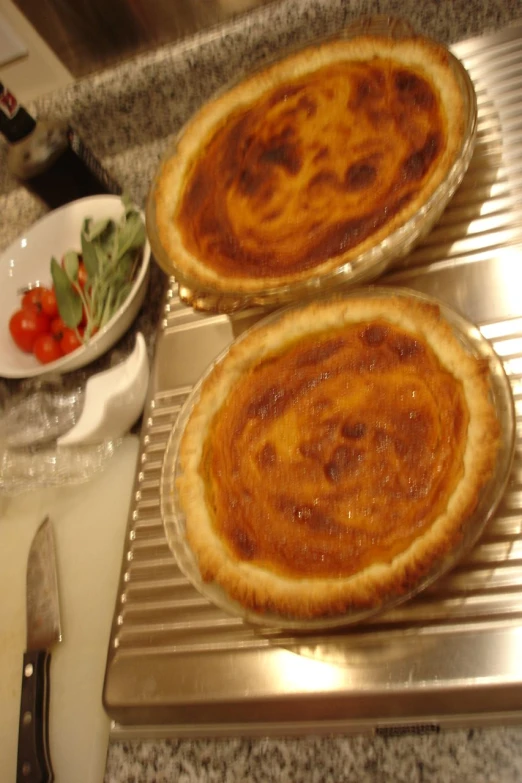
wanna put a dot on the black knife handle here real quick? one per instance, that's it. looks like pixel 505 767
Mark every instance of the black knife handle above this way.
pixel 34 763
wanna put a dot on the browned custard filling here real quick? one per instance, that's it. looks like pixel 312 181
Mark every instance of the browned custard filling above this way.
pixel 337 453
pixel 312 169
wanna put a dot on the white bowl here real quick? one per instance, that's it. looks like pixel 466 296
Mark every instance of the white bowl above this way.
pixel 28 260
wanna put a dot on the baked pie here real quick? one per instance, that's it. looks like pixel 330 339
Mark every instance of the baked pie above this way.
pixel 335 455
pixel 309 163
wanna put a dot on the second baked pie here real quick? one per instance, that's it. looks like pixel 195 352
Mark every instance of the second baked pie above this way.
pixel 309 163
pixel 335 455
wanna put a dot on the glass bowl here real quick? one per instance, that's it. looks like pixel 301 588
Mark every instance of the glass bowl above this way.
pixel 368 265
pixel 174 518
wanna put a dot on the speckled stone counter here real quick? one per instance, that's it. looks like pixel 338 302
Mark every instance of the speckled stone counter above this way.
pixel 128 115
pixel 467 756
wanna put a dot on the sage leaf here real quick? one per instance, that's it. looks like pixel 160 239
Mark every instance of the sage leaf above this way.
pixel 132 234
pixel 89 255
pixel 103 249
pixel 123 271
pixel 71 264
pixel 99 228
pixel 108 308
pixel 111 251
pixel 67 298
pixel 121 296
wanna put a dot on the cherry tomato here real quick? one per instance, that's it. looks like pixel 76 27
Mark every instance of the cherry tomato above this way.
pixel 32 300
pixel 25 326
pixel 47 349
pixel 57 328
pixel 41 299
pixel 69 341
pixel 48 302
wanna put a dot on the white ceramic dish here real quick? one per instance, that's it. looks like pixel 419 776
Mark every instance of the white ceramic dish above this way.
pixel 28 261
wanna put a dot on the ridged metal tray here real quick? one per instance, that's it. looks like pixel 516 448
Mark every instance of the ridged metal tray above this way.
pixel 179 666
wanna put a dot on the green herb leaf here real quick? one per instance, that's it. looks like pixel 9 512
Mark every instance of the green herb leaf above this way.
pixel 124 268
pixel 98 228
pixel 68 300
pixel 121 296
pixel 71 264
pixel 111 252
pixel 89 255
pixel 108 307
pixel 132 234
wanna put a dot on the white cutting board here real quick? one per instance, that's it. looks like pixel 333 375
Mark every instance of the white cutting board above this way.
pixel 89 522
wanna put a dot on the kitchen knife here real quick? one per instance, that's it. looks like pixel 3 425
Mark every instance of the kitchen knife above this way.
pixel 43 631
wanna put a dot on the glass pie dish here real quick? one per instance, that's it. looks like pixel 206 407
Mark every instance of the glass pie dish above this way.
pixel 369 264
pixel 470 337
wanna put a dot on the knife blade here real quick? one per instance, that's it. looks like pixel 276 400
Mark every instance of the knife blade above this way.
pixel 43 632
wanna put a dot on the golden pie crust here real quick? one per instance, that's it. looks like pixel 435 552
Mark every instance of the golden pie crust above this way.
pixel 309 163
pixel 335 455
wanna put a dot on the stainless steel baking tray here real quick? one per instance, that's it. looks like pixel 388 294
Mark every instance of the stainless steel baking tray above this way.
pixel 179 666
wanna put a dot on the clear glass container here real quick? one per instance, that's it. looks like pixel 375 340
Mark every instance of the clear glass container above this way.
pixel 371 263
pixel 174 518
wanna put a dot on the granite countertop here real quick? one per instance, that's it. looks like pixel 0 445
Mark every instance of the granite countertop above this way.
pixel 128 115
pixel 469 756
